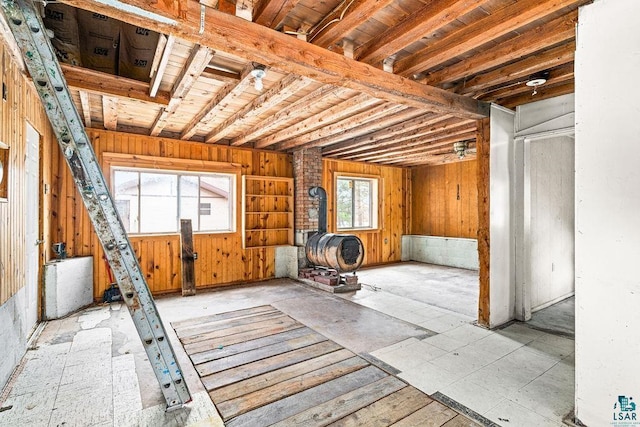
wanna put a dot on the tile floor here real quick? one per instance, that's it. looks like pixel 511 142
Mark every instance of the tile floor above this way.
pixel 516 376
pixel 90 368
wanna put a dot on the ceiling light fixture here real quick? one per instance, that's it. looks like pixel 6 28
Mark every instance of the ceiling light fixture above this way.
pixel 258 73
pixel 460 148
pixel 536 80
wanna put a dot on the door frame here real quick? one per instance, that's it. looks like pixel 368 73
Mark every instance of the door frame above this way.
pixel 522 218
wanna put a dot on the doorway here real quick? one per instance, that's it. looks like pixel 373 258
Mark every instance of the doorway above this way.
pixel 545 240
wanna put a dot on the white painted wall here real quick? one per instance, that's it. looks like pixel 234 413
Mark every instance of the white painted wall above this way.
pixel 14 333
pixel 449 251
pixel 607 208
pixel 544 209
pixel 287 261
pixel 502 252
pixel 551 220
pixel 68 286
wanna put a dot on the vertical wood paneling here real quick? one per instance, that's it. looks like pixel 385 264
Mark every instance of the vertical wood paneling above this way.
pixel 22 105
pixel 384 244
pixel 221 259
pixel 444 200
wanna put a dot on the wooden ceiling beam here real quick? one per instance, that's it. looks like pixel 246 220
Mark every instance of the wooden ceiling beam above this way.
pixel 286 114
pixel 354 144
pixel 435 14
pixel 341 126
pixel 221 99
pixel 86 108
pixel 545 60
pixel 431 159
pixel 557 75
pixel 418 146
pixel 196 63
pixel 110 112
pixel 268 100
pixel 101 83
pixel 156 77
pixel 403 143
pixel 330 115
pixel 344 19
pixel 273 12
pixel 366 127
pixel 559 30
pixel 472 36
pixel 256 43
pixel 219 75
pixel 543 93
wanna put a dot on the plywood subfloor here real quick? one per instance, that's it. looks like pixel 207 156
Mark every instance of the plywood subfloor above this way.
pixel 261 367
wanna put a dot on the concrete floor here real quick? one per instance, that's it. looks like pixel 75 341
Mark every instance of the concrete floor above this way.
pixel 90 368
pixel 454 289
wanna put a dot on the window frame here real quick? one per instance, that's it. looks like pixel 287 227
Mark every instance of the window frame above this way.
pixel 374 205
pixel 178 167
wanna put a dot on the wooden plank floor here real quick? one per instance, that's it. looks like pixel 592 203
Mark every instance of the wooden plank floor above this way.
pixel 262 368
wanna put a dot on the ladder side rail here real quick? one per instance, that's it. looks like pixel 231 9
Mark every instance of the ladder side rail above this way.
pixel 29 31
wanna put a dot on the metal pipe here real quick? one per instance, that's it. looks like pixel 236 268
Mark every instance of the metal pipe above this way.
pixel 321 195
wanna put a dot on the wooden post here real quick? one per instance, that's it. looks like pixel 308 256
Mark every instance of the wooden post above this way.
pixel 187 258
pixel 482 146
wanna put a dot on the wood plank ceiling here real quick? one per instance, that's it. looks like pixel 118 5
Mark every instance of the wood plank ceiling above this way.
pixel 394 82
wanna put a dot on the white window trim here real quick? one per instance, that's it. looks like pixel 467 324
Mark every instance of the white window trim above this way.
pixel 233 197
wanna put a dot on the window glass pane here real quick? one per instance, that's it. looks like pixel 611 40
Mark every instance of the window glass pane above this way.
pixel 125 194
pixel 189 200
pixel 158 203
pixel 345 203
pixel 362 205
pixel 215 191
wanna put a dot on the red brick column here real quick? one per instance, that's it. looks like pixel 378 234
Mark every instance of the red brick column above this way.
pixel 307 173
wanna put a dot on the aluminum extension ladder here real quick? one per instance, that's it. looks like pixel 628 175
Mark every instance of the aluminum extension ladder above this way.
pixel 29 31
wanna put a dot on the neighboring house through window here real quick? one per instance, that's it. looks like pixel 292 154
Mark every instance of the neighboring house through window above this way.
pixel 357 202
pixel 152 201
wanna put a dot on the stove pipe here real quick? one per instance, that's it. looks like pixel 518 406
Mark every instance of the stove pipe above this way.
pixel 321 195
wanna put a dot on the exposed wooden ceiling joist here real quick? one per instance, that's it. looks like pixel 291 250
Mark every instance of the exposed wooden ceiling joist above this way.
pixel 503 21
pixel 414 138
pixel 371 126
pixel 220 100
pixel 359 143
pixel 110 113
pixel 86 108
pixel 543 93
pixel 257 43
pixel 102 83
pixel 196 63
pixel 432 16
pixel 562 74
pixel 348 15
pixel 286 114
pixel 274 96
pixel 272 13
pixel 346 108
pixel 521 69
pixel 373 114
pixel 546 35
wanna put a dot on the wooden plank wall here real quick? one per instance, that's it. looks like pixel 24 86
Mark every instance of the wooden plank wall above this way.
pixel 384 244
pixel 22 105
pixel 436 208
pixel 221 259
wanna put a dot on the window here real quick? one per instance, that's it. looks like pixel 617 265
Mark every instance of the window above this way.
pixel 357 201
pixel 152 201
